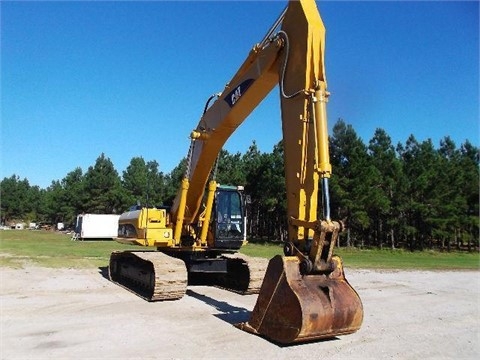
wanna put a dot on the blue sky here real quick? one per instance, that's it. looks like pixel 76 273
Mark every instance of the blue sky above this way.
pixel 131 78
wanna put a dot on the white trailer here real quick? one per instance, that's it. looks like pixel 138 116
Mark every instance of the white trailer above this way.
pixel 96 226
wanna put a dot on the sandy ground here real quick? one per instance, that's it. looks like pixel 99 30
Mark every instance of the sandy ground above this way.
pixel 70 314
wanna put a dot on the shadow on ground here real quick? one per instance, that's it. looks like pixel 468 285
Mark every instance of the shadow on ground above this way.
pixel 229 313
pixel 103 270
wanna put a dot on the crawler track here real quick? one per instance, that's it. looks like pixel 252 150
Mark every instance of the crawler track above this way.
pixel 245 274
pixel 151 275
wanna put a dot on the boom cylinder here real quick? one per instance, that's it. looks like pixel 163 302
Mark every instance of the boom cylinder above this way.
pixel 212 186
pixel 181 211
pixel 323 155
pixel 320 106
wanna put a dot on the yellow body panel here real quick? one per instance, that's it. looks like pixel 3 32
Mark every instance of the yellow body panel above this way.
pixel 149 228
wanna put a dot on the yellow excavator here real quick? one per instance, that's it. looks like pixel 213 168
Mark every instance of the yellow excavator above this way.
pixel 302 295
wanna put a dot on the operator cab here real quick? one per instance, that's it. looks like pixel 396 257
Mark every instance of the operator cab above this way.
pixel 229 217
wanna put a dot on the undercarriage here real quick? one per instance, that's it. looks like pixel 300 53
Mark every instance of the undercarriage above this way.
pixel 156 276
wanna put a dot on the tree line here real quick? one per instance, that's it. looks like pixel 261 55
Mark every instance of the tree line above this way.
pixel 411 195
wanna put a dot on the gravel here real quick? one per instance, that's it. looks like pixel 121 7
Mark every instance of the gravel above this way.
pixel 78 314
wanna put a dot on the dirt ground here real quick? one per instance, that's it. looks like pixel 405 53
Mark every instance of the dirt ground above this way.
pixel 78 314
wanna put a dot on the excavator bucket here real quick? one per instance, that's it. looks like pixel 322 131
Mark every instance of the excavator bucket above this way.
pixel 293 308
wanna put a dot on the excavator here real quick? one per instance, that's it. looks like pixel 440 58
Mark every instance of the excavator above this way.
pixel 303 295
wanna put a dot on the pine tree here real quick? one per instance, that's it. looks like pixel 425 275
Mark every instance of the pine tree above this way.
pixel 383 158
pixel 103 188
pixel 351 183
pixel 73 195
pixel 14 198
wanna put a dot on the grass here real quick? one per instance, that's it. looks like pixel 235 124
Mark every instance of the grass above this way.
pixel 386 259
pixel 405 260
pixel 50 249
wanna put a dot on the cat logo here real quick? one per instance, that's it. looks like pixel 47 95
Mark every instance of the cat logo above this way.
pixel 235 95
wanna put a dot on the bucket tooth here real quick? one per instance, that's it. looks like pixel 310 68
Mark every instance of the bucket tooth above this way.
pixel 295 308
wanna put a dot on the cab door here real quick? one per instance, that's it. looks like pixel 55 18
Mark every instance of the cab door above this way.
pixel 229 219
